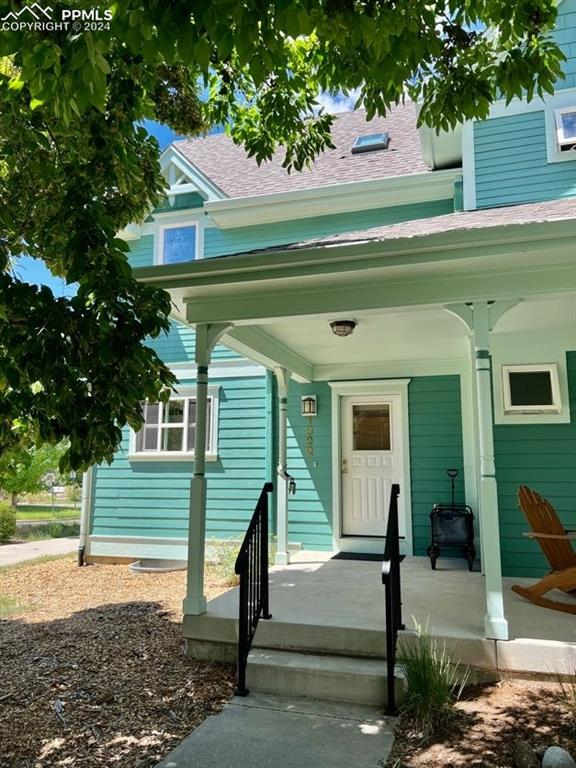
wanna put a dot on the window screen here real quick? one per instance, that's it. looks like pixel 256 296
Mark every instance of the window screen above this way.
pixel 171 427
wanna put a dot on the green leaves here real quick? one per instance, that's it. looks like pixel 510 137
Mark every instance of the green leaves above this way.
pixel 76 167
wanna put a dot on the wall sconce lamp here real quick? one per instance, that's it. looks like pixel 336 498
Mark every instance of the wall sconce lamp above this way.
pixel 309 406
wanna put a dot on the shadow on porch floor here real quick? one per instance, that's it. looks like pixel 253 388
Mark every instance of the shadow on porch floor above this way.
pixel 337 606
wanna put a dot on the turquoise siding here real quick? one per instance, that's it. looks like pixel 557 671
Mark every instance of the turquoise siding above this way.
pixel 511 163
pixel 310 510
pixel 150 499
pixel 565 36
pixel 510 152
pixel 141 251
pixel 221 242
pixel 542 456
pixel 435 415
pixel 177 346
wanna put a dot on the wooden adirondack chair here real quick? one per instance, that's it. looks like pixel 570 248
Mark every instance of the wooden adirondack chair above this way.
pixel 554 542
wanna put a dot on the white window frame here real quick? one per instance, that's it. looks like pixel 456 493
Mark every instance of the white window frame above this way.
pixel 184 393
pixel 174 220
pixel 563 101
pixel 560 138
pixel 552 369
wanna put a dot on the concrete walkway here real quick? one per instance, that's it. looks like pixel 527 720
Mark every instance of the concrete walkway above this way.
pixel 263 731
pixel 10 554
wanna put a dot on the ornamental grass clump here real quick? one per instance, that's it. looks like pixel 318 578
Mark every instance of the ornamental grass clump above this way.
pixel 434 682
pixel 7 522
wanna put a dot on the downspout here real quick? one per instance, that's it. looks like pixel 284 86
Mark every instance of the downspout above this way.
pixel 85 513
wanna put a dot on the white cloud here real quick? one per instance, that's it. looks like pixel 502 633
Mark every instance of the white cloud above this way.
pixel 337 102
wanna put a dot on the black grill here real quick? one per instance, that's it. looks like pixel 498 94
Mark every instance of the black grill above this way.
pixel 452 525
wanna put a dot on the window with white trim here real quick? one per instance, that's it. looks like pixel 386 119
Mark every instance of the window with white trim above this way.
pixel 531 389
pixel 178 243
pixel 565 119
pixel 169 429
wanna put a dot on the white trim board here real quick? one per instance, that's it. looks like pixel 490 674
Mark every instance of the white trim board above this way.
pixel 333 199
pixel 468 167
pixel 219 369
pixel 373 387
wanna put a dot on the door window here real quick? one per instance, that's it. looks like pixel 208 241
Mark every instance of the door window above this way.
pixel 371 427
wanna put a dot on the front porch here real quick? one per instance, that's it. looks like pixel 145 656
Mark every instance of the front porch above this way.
pixel 336 607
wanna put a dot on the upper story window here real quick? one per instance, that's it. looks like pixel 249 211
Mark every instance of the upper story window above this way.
pixel 177 243
pixel 566 128
pixel 169 429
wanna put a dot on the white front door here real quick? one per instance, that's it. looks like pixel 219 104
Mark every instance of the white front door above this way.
pixel 372 459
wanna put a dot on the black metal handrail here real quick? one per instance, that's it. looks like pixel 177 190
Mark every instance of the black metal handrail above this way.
pixel 393 597
pixel 252 568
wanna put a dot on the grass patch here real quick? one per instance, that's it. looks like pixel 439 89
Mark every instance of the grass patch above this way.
pixel 9 606
pixel 44 512
pixel 435 682
pixel 225 554
pixel 53 530
pixel 35 561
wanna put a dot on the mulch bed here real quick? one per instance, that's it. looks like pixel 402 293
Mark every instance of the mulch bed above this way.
pixel 93 670
pixel 491 719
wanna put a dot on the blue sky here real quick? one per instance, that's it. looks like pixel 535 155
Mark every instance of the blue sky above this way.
pixel 35 271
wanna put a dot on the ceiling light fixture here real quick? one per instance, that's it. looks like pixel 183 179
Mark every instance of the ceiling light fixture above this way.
pixel 343 327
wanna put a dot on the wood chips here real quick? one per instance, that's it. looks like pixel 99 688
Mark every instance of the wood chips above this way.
pixel 93 670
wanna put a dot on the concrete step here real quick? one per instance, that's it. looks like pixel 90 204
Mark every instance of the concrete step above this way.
pixel 335 678
pixel 215 637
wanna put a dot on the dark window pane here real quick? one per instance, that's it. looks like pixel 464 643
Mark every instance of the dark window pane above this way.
pixel 172 439
pixel 179 244
pixel 174 412
pixel 530 388
pixel 371 427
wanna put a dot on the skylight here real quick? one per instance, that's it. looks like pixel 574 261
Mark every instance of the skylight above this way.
pixel 371 142
pixel 566 128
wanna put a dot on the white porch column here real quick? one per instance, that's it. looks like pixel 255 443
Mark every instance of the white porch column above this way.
pixel 480 318
pixel 194 603
pixel 282 554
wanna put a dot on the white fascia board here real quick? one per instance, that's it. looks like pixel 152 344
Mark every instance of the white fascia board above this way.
pixel 333 199
pixel 203 185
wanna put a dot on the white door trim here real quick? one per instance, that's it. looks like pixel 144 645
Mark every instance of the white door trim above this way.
pixel 371 387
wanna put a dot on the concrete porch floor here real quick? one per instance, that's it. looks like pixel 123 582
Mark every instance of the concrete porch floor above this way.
pixel 337 606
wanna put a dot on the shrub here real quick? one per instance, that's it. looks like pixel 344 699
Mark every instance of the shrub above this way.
pixel 7 522
pixel 434 682
pixel 567 688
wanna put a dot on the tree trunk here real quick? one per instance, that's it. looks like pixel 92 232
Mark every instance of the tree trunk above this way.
pixel 13 498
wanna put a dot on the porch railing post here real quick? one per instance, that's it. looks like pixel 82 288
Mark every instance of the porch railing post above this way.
pixel 264 589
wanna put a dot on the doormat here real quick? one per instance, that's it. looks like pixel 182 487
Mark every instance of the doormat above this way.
pixel 373 558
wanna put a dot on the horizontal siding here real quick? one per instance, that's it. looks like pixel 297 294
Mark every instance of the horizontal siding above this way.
pixel 565 35
pixel 150 499
pixel 310 510
pixel 141 252
pixel 511 162
pixel 435 416
pixel 177 346
pixel 220 242
pixel 542 456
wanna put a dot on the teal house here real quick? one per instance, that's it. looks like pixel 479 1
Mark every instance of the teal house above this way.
pixel 405 306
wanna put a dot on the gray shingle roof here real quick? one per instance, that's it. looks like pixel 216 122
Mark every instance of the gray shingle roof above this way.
pixel 528 213
pixel 237 175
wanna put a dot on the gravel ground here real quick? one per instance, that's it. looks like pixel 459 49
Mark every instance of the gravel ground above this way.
pixel 93 670
pixel 491 720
